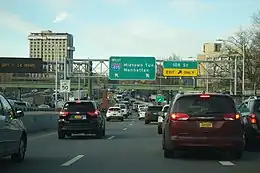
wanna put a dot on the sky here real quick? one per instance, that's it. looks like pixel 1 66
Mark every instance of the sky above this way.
pixel 104 28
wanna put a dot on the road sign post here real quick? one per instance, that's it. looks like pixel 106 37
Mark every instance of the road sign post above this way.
pixel 159 98
pixel 132 68
pixel 64 86
pixel 180 68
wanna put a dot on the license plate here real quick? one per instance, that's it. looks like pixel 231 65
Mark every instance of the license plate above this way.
pixel 155 113
pixel 206 125
pixel 114 114
pixel 78 117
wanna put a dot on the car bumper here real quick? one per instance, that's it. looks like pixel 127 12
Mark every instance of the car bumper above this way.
pixel 115 117
pixel 79 127
pixel 218 143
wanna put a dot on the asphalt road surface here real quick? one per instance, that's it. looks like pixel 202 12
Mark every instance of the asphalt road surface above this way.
pixel 129 147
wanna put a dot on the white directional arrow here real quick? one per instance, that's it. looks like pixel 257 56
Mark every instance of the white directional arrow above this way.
pixel 147 75
pixel 116 75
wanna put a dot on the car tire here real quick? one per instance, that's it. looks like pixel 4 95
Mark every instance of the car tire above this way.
pixel 99 133
pixel 159 129
pixel 237 154
pixel 146 122
pixel 168 153
pixel 61 135
pixel 104 131
pixel 68 134
pixel 122 119
pixel 108 119
pixel 19 156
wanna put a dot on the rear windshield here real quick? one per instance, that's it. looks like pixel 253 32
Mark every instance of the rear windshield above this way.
pixel 194 105
pixel 256 107
pixel 79 107
pixel 155 108
pixel 114 109
pixel 122 106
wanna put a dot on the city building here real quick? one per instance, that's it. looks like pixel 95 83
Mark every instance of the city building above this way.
pixel 51 47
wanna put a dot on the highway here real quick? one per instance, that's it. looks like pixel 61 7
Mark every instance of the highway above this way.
pixel 129 147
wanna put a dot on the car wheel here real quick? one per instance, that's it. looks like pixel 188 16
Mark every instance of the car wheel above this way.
pixel 146 122
pixel 108 119
pixel 237 154
pixel 19 156
pixel 99 133
pixel 104 131
pixel 68 134
pixel 122 119
pixel 61 135
pixel 159 130
pixel 168 153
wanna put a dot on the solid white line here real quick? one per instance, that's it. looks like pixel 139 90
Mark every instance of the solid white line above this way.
pixel 70 162
pixel 124 128
pixel 111 137
pixel 226 163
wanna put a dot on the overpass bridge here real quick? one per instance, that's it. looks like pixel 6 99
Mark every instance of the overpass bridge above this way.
pixel 51 85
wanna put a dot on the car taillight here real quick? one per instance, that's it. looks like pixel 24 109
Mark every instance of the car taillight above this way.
pixel 95 113
pixel 179 116
pixel 64 114
pixel 204 96
pixel 252 118
pixel 231 116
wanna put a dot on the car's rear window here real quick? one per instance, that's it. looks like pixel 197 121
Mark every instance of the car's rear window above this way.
pixel 114 109
pixel 79 107
pixel 195 105
pixel 256 107
pixel 155 108
pixel 122 106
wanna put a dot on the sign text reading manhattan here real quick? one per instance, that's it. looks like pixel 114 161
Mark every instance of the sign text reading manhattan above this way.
pixel 132 68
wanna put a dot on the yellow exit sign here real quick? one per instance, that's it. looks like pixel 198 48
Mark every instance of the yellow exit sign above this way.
pixel 170 72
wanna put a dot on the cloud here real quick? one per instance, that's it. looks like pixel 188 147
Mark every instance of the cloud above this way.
pixel 140 37
pixel 14 22
pixel 61 17
pixel 189 8
pixel 118 2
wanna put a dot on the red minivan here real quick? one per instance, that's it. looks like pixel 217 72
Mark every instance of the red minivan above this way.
pixel 203 121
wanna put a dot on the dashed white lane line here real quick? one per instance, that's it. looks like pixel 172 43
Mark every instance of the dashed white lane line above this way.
pixel 111 137
pixel 73 160
pixel 226 163
pixel 130 124
pixel 124 129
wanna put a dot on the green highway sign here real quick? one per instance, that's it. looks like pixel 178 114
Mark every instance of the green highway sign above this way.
pixel 180 64
pixel 132 68
pixel 180 68
pixel 159 98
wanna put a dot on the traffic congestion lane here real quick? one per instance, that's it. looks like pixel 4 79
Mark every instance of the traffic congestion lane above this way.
pixel 138 149
pixel 46 153
pixel 134 147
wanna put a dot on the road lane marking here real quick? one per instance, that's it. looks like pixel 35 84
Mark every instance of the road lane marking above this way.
pixel 111 137
pixel 226 163
pixel 125 129
pixel 130 124
pixel 73 160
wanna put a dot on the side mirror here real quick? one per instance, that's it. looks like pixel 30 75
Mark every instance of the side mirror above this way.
pixel 19 114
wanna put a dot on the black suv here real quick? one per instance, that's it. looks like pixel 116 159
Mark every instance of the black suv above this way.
pixel 250 111
pixel 13 136
pixel 81 117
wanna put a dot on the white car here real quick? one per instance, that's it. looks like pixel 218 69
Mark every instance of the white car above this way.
pixel 141 113
pixel 114 113
pixel 123 107
pixel 161 117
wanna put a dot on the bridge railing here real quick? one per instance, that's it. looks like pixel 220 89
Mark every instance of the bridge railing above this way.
pixel 35 109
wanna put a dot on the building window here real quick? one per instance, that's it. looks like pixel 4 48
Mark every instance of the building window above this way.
pixel 217 47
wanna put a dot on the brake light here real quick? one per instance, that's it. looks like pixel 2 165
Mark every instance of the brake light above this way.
pixel 231 116
pixel 95 113
pixel 64 113
pixel 204 96
pixel 252 118
pixel 179 116
pixel 78 101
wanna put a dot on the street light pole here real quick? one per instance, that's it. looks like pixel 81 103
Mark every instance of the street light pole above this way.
pixel 56 82
pixel 243 70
